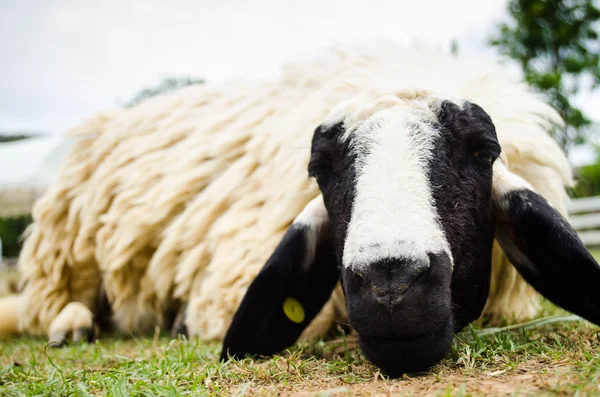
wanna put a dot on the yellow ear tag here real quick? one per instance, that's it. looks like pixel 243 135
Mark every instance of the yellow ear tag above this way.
pixel 293 310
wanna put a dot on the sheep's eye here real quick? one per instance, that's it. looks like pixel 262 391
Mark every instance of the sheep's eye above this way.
pixel 486 156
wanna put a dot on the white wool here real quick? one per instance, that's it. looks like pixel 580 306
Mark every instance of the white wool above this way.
pixel 184 197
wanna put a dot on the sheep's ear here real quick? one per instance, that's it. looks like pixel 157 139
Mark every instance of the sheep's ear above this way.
pixel 289 291
pixel 543 246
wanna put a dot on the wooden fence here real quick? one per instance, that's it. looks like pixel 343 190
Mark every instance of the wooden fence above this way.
pixel 584 215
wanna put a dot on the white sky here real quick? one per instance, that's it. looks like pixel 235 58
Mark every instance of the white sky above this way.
pixel 63 60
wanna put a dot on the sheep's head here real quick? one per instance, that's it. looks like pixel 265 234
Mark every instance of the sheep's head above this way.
pixel 412 195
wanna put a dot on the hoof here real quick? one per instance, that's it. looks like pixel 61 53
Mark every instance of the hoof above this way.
pixel 75 322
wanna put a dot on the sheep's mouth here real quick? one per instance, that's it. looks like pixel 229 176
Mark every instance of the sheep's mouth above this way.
pixel 397 342
pixel 407 354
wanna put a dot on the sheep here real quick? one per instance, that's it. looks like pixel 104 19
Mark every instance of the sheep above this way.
pixel 163 214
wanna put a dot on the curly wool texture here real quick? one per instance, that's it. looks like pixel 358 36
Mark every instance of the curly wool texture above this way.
pixel 184 197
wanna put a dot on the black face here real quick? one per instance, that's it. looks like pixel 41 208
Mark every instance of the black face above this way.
pixel 406 308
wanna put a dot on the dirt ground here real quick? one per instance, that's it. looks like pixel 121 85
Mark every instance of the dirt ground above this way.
pixel 530 378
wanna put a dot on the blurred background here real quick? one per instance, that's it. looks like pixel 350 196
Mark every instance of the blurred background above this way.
pixel 65 60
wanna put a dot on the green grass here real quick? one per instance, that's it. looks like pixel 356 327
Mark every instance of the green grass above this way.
pixel 596 253
pixel 558 359
pixel 555 359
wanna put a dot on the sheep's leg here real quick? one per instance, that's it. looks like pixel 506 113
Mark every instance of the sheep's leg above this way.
pixel 9 318
pixel 179 326
pixel 76 321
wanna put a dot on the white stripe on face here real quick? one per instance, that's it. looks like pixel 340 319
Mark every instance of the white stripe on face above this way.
pixel 393 216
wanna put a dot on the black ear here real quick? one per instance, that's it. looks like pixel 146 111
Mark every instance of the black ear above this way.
pixel 289 291
pixel 544 247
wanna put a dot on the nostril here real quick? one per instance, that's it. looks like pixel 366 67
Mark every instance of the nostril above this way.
pixel 390 279
pixel 389 298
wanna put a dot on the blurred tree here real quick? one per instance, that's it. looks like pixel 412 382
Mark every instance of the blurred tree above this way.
pixel 11 231
pixel 454 47
pixel 166 85
pixel 557 46
pixel 588 179
pixel 13 137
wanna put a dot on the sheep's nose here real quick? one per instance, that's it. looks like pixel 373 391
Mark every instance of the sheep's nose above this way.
pixel 398 298
pixel 388 280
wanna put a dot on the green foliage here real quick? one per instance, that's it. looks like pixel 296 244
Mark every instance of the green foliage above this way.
pixel 168 84
pixel 588 181
pixel 13 137
pixel 454 47
pixel 556 44
pixel 11 230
